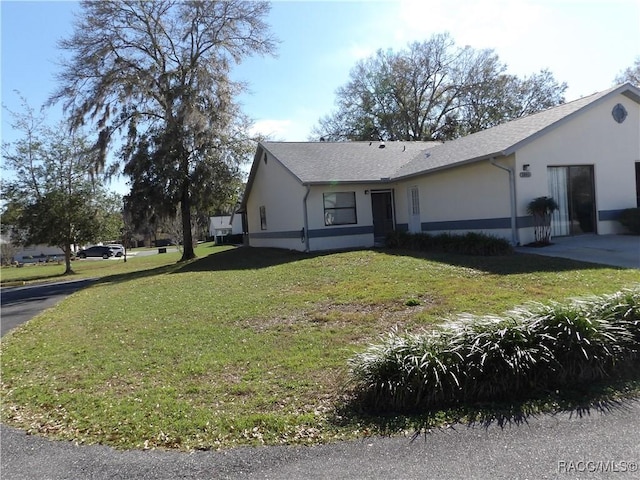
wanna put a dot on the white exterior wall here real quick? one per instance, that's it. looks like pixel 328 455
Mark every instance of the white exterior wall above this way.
pixel 282 196
pixel 590 138
pixel 220 225
pixel 323 237
pixel 236 224
pixel 473 197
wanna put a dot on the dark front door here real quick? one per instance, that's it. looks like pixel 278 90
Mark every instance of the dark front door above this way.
pixel 383 219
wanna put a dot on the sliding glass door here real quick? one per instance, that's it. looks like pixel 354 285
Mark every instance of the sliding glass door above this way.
pixel 558 191
pixel 572 188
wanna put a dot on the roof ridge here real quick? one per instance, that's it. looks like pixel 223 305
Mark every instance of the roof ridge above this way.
pixel 564 105
pixel 504 138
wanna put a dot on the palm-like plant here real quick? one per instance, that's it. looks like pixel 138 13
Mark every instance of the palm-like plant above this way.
pixel 542 208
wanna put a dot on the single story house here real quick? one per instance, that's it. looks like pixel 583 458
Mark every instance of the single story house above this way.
pixel 223 225
pixel 38 253
pixel 585 154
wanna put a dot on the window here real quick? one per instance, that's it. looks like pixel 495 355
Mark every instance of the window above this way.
pixel 340 208
pixel 263 218
pixel 415 224
pixel 415 201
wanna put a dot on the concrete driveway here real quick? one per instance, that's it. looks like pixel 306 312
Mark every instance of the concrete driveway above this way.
pixel 615 250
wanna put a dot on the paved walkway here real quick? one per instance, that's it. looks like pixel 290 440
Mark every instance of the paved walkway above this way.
pixel 615 250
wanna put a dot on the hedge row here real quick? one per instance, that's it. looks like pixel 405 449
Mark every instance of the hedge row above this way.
pixel 478 359
pixel 467 244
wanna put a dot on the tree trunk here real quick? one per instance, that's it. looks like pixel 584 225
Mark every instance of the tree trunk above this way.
pixel 67 260
pixel 187 238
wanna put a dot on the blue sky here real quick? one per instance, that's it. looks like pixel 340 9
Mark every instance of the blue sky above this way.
pixel 585 43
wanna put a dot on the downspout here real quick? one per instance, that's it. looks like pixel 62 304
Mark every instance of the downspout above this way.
pixel 515 240
pixel 306 219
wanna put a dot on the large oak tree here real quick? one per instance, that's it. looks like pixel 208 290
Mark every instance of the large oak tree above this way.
pixel 433 90
pixel 630 74
pixel 157 72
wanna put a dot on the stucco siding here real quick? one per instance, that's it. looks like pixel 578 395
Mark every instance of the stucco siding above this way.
pixel 342 241
pixel 329 237
pixel 281 195
pixel 591 138
pixel 472 197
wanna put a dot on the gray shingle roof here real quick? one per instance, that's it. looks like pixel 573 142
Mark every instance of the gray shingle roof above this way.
pixel 322 162
pixel 503 139
pixel 360 162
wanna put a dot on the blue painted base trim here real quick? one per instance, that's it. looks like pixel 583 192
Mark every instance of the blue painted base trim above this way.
pixel 317 233
pixel 341 232
pixel 452 225
pixel 478 224
pixel 605 215
pixel 287 234
pixel 525 222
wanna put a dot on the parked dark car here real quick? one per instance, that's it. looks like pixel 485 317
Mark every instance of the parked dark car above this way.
pixel 96 251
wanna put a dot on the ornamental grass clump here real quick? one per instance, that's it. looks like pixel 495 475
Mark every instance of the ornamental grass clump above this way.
pixel 407 371
pixel 585 347
pixel 501 358
pixel 529 350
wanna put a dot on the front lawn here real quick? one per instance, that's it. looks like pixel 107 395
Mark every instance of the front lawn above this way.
pixel 248 346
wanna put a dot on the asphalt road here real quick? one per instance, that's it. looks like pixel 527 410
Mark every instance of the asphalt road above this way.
pixel 19 304
pixel 593 445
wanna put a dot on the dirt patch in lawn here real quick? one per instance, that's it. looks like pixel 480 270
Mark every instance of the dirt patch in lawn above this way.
pixel 381 316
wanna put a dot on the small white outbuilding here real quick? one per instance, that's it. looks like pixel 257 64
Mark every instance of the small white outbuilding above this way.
pixel 223 225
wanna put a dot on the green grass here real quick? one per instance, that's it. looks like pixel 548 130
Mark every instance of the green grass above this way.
pixel 247 346
pixel 52 271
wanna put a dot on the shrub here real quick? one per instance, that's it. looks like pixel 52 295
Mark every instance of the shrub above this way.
pixel 630 218
pixel 397 240
pixel 478 359
pixel 542 208
pixel 466 244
